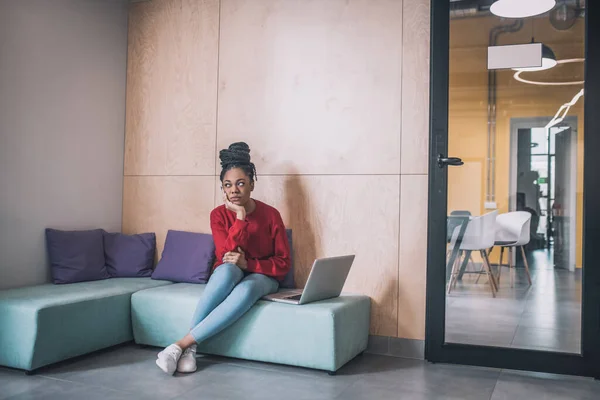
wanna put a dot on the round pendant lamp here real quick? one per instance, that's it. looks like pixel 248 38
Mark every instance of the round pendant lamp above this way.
pixel 521 8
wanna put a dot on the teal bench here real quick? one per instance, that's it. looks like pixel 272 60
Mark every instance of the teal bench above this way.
pixel 41 325
pixel 322 335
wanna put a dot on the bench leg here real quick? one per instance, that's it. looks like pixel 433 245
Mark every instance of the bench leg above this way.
pixel 332 373
pixel 30 373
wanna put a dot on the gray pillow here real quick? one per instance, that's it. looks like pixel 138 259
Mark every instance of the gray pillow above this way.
pixel 76 256
pixel 187 257
pixel 129 255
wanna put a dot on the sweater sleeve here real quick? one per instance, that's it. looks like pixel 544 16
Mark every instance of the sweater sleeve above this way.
pixel 279 264
pixel 227 239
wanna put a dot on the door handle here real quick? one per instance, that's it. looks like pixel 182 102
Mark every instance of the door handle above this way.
pixel 445 161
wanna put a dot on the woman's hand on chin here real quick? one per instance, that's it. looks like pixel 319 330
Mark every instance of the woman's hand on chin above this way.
pixel 236 257
pixel 240 211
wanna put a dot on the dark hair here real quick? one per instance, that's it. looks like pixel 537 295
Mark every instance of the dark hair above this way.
pixel 237 156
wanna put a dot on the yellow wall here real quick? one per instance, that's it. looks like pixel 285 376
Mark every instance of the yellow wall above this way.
pixel 468 107
pixel 332 97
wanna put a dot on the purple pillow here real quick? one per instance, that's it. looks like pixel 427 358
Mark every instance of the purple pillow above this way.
pixel 187 257
pixel 288 281
pixel 76 256
pixel 129 255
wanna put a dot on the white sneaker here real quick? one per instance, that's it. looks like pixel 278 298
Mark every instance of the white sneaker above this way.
pixel 187 362
pixel 168 358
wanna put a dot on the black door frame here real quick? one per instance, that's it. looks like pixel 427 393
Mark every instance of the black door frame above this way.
pixel 588 362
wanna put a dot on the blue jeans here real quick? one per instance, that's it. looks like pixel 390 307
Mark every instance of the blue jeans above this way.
pixel 229 293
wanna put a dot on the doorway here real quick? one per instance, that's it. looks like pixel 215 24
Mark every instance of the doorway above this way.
pixel 543 182
pixel 511 280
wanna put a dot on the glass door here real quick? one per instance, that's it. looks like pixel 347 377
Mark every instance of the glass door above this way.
pixel 511 282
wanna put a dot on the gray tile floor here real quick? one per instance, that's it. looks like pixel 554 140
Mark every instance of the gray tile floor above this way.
pixel 129 372
pixel 545 316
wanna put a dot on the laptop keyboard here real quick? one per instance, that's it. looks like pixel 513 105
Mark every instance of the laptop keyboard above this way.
pixel 296 297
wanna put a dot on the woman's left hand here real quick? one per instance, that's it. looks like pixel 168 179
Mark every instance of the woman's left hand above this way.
pixel 236 257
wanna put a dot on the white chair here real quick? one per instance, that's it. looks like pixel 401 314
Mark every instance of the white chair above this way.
pixel 513 231
pixel 480 235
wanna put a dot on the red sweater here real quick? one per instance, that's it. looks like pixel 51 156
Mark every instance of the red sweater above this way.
pixel 261 235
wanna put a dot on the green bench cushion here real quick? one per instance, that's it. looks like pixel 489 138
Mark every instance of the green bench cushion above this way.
pixel 321 335
pixel 47 323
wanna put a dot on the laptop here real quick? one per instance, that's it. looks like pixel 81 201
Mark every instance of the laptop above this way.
pixel 326 280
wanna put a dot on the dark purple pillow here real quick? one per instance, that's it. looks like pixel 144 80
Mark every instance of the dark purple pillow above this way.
pixel 129 256
pixel 76 256
pixel 289 282
pixel 187 257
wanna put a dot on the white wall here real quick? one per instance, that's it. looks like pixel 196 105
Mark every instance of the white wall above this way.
pixel 62 123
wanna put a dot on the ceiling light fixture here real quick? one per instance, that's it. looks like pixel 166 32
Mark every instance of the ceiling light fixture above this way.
pixel 548 56
pixel 521 8
pixel 548 61
pixel 518 77
pixel 561 114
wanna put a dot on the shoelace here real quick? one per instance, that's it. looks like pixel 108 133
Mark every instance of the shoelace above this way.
pixel 188 351
pixel 172 352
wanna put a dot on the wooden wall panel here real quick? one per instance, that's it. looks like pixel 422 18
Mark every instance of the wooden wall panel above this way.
pixel 334 109
pixel 171 87
pixel 336 215
pixel 412 270
pixel 313 86
pixel 415 87
pixel 159 203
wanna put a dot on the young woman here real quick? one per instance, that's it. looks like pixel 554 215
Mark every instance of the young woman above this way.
pixel 252 256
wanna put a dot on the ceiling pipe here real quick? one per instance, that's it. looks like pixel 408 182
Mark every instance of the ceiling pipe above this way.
pixel 490 190
pixel 469 8
pixel 481 8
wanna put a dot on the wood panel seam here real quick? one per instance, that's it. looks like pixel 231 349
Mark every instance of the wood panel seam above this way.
pixel 398 263
pixel 217 100
pixel 125 123
pixel 217 175
pixel 400 179
pixel 401 95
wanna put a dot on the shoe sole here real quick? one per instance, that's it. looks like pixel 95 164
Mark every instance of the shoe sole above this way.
pixel 187 372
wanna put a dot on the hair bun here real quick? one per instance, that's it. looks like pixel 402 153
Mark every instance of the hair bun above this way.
pixel 237 154
pixel 240 146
